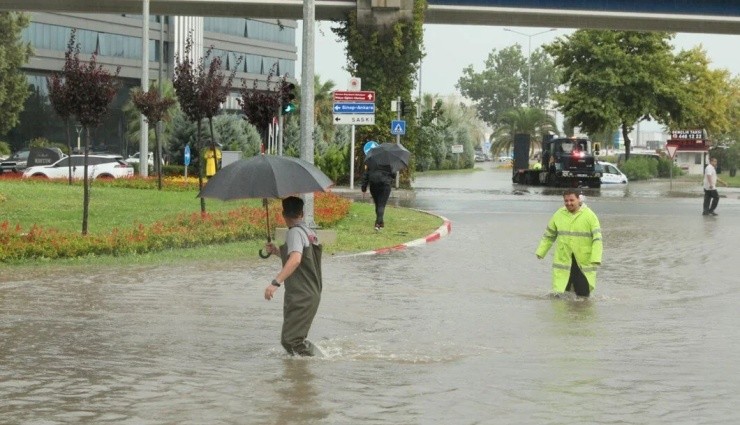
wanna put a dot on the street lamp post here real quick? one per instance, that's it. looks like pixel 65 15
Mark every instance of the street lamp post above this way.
pixel 529 59
pixel 78 127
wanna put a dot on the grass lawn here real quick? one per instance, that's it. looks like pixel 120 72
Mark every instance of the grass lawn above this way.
pixel 724 177
pixel 59 206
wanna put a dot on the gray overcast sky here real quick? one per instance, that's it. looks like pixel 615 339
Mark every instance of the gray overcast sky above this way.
pixel 450 48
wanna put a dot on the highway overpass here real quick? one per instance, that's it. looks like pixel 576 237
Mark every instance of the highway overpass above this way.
pixel 707 16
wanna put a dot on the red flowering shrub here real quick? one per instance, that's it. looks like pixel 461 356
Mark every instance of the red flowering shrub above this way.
pixel 182 231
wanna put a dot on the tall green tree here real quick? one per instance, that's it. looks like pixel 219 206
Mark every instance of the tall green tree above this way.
pixel 707 94
pixel 502 84
pixel 14 53
pixel 323 106
pixel 614 79
pixel 387 58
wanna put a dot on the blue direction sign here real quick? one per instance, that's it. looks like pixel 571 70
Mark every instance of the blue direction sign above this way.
pixel 398 127
pixel 354 108
pixel 186 158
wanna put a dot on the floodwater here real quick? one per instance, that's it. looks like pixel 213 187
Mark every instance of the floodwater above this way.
pixel 460 331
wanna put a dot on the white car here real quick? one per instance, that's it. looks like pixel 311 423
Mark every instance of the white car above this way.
pixel 99 167
pixel 135 159
pixel 610 174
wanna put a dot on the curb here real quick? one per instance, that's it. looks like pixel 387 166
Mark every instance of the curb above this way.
pixel 441 232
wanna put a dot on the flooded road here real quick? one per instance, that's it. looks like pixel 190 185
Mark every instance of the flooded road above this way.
pixel 460 331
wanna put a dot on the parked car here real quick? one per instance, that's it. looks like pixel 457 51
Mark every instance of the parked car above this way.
pixel 610 174
pixel 480 157
pixel 16 163
pixel 135 159
pixel 99 167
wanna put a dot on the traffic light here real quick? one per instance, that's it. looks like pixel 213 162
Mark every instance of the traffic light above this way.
pixel 287 98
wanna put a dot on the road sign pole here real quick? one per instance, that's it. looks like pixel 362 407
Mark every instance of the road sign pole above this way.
pixel 398 136
pixel 352 161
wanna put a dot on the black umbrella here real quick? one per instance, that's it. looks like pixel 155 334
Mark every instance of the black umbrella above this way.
pixel 393 155
pixel 265 176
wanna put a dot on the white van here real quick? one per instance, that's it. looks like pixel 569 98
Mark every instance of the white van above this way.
pixel 610 174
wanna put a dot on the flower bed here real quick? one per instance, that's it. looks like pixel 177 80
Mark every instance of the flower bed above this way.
pixel 182 231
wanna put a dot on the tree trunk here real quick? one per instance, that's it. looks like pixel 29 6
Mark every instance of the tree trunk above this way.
pixel 626 136
pixel 69 147
pixel 85 185
pixel 158 155
pixel 200 169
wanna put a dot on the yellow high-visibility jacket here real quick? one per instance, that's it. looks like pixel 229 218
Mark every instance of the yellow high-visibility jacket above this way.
pixel 576 234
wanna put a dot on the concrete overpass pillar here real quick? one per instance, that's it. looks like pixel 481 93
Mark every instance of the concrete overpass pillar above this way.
pixel 383 13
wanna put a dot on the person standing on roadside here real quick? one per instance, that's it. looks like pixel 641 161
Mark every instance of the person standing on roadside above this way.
pixel 379 178
pixel 577 232
pixel 301 275
pixel 711 196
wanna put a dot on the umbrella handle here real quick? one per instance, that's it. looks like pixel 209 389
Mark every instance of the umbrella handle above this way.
pixel 269 239
pixel 262 254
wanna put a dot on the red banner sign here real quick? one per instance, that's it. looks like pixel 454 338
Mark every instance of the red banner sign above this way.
pixel 354 96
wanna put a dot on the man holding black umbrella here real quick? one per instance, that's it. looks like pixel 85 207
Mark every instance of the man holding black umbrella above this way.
pixel 301 275
pixel 381 164
pixel 379 178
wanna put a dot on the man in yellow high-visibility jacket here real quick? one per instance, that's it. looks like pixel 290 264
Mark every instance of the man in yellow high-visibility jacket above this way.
pixel 577 231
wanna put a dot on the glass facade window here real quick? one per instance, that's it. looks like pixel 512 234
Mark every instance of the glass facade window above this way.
pixel 270 32
pixel 287 67
pixel 55 37
pixel 249 28
pixel 254 64
pixel 230 26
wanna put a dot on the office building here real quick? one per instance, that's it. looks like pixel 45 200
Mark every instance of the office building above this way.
pixel 116 39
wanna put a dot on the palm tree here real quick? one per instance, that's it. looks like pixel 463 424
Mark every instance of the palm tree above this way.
pixel 132 116
pixel 324 104
pixel 323 113
pixel 532 121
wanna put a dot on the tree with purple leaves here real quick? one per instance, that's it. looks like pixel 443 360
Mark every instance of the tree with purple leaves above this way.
pixel 201 92
pixel 155 108
pixel 85 90
pixel 261 106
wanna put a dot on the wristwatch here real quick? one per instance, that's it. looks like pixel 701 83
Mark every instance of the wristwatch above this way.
pixel 275 283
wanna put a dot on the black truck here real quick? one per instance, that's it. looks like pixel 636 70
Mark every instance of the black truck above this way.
pixel 564 162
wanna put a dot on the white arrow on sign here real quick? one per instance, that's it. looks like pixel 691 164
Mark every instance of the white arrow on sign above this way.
pixel 354 119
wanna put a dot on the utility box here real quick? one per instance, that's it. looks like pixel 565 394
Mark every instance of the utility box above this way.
pixel 228 157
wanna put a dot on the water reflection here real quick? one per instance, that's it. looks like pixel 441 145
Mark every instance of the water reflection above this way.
pixel 297 400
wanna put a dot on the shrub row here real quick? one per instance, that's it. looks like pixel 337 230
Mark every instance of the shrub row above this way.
pixel 182 231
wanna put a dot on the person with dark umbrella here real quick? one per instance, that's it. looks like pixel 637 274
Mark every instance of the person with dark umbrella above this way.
pixel 379 178
pixel 301 275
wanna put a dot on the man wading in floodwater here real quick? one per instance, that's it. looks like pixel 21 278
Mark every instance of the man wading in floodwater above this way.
pixel 577 231
pixel 301 274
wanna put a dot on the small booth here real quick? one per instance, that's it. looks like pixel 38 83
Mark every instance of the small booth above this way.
pixel 691 150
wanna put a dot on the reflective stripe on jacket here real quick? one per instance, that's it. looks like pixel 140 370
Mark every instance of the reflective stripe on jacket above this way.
pixel 576 234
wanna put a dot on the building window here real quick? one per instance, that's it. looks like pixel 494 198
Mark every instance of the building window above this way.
pixel 55 37
pixel 697 158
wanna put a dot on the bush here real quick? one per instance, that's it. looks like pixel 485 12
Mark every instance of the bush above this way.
pixel 640 168
pixel 4 149
pixel 664 168
pixel 181 231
